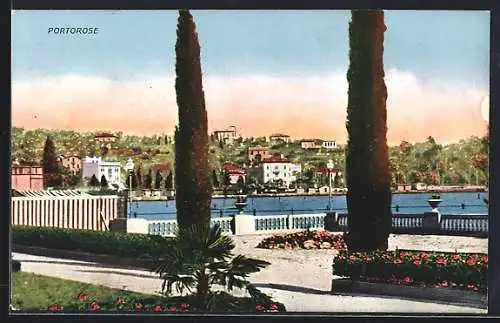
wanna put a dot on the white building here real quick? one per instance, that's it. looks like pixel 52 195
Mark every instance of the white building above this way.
pixel 98 167
pixel 329 144
pixel 278 168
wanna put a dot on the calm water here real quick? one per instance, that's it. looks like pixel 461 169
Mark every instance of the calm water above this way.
pixel 408 203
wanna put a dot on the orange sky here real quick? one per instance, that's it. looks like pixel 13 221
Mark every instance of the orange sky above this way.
pixel 305 107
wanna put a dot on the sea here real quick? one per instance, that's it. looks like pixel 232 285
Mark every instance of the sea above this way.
pixel 452 203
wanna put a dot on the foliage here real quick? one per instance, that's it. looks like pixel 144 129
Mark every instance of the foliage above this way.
pixel 132 176
pixel 98 242
pixel 192 167
pixel 215 179
pixel 50 164
pixel 94 182
pixel 367 163
pixel 307 239
pixel 169 184
pixel 35 293
pixel 104 181
pixel 158 179
pixel 415 267
pixel 201 257
pixel 140 179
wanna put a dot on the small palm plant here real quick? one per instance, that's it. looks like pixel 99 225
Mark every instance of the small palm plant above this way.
pixel 199 258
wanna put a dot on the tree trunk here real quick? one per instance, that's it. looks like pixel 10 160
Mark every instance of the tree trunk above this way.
pixel 367 161
pixel 192 168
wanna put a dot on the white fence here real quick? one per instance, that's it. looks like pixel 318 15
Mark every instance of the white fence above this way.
pixel 72 212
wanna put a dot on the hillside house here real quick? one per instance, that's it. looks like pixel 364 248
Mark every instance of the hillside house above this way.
pixel 258 153
pixel 26 178
pixel 279 137
pixel 72 163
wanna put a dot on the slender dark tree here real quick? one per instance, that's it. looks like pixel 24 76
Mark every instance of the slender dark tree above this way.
pixel 148 179
pixel 94 182
pixel 192 167
pixel 50 163
pixel 104 182
pixel 158 180
pixel 169 183
pixel 134 181
pixel 367 162
pixel 215 179
pixel 140 180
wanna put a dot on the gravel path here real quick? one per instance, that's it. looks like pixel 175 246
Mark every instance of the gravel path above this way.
pixel 300 279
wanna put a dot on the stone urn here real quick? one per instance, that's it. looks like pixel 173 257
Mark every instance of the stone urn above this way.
pixel 434 202
pixel 241 203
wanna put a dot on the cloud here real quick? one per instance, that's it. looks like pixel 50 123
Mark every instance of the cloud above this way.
pixel 303 107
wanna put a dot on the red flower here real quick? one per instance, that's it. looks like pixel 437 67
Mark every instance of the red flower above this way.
pixel 172 309
pixel 415 257
pixel 417 263
pixel 456 257
pixel 404 254
pixel 259 308
pixel 407 280
pixel 273 307
pixel 120 300
pixel 184 306
pixel 484 259
pixel 398 261
pixel 471 261
pixel 157 308
pixel 82 296
pixel 368 258
pixel 444 284
pixel 441 261
pixel 138 306
pixel 54 308
pixel 94 306
pixel 424 255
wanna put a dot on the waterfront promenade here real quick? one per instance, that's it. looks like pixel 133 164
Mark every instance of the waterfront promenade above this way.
pixel 300 279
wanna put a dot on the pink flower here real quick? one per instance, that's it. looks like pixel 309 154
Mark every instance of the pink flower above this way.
pixel 471 261
pixel 138 306
pixel 441 261
pixel 259 308
pixel 157 308
pixel 54 308
pixel 398 261
pixel 184 306
pixel 82 296
pixel 94 306
pixel 273 307
pixel 172 309
pixel 120 300
pixel 417 263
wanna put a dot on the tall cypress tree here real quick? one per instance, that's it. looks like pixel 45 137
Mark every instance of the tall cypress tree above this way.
pixel 50 164
pixel 192 168
pixel 367 162
pixel 158 179
pixel 140 182
pixel 169 181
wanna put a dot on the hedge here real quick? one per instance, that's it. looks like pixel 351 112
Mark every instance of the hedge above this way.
pixel 307 239
pixel 98 242
pixel 461 270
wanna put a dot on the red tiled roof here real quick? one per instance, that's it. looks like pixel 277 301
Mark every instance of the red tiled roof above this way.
pixel 326 170
pixel 103 134
pixel 233 169
pixel 275 159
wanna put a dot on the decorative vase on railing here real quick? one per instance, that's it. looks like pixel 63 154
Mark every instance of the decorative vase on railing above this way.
pixel 241 203
pixel 434 202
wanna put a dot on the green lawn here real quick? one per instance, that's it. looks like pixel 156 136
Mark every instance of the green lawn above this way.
pixel 32 292
pixel 35 293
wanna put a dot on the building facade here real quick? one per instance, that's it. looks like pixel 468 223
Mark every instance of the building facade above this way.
pixel 277 169
pixel 308 144
pixel 227 136
pixel 279 137
pixel 72 163
pixel 235 173
pixel 96 166
pixel 26 178
pixel 329 144
pixel 258 153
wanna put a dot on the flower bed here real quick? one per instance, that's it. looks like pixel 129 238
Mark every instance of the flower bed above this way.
pixel 85 303
pixel 98 242
pixel 416 268
pixel 304 240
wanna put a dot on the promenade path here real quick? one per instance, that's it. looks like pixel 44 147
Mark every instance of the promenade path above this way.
pixel 300 279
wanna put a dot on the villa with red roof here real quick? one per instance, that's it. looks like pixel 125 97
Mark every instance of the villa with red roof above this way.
pixel 234 173
pixel 105 137
pixel 276 169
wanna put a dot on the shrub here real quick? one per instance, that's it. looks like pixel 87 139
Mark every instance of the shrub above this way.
pixel 462 270
pixel 16 266
pixel 305 240
pixel 98 242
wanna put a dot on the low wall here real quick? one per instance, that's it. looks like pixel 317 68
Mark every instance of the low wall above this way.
pixel 244 224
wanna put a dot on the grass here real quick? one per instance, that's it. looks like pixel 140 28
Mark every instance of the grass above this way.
pixel 35 293
pixel 32 292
